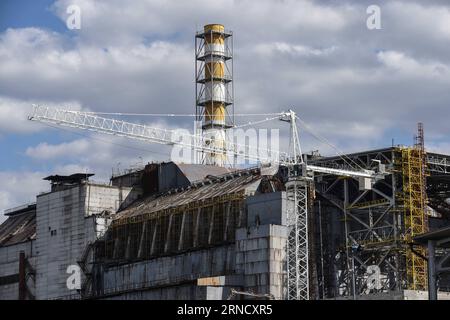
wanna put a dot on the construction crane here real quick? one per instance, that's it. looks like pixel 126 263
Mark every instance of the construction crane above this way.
pixel 300 174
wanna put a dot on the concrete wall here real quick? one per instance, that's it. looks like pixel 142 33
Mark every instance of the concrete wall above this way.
pixel 167 272
pixel 266 208
pixel 9 266
pixel 261 256
pixel 261 248
pixel 255 263
pixel 179 292
pixel 66 224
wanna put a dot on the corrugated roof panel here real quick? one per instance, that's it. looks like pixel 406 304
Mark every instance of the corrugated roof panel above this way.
pixel 209 189
pixel 18 228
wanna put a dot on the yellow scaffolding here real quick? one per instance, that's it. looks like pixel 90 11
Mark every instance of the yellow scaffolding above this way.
pixel 413 198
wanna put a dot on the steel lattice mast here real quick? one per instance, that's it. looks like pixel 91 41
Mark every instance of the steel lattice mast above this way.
pixel 297 278
pixel 297 285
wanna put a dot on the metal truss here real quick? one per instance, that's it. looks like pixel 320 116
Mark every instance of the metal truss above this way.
pixel 368 259
pixel 378 224
pixel 413 196
pixel 89 121
pixel 438 164
pixel 438 191
pixel 297 247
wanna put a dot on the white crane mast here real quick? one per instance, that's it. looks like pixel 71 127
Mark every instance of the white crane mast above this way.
pixel 300 175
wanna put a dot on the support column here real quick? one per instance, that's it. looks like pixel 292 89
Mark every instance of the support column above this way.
pixel 116 248
pixel 142 241
pixel 128 248
pixel 155 230
pixel 432 289
pixel 227 221
pixel 196 225
pixel 22 278
pixel 180 241
pixel 350 260
pixel 166 246
pixel 211 225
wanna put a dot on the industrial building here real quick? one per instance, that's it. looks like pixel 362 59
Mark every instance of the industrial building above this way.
pixel 308 227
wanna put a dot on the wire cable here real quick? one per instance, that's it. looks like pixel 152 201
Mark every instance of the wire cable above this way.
pixel 256 122
pixel 173 114
pixel 324 140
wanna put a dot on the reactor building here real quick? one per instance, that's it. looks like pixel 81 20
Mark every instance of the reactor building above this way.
pixel 209 231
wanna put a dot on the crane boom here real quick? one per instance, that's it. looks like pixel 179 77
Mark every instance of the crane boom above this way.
pixel 89 121
pixel 83 120
pixel 369 174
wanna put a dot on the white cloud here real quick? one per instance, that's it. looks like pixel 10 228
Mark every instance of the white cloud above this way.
pixel 95 153
pixel 318 56
pixel 112 22
pixel 45 151
pixel 22 187
pixel 40 66
pixel 287 48
pixel 421 18
pixel 351 84
pixel 411 67
pixel 14 114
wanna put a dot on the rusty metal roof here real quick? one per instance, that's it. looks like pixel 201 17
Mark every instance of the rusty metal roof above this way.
pixel 208 188
pixel 19 227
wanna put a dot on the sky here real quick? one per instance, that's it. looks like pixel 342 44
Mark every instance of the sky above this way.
pixel 360 88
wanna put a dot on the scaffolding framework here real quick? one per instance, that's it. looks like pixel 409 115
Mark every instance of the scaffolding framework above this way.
pixel 214 93
pixel 377 225
pixel 413 197
pixel 360 229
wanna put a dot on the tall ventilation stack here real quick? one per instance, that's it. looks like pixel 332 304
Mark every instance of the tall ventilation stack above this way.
pixel 214 89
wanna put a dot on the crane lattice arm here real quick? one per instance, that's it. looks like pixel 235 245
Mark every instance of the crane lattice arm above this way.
pixel 89 121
